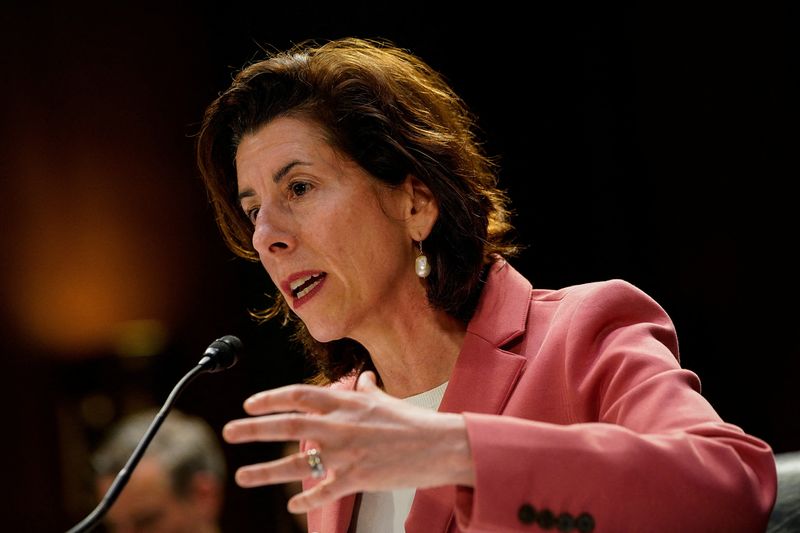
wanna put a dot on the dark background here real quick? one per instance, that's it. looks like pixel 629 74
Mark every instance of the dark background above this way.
pixel 654 144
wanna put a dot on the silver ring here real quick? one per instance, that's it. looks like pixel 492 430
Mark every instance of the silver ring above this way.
pixel 315 463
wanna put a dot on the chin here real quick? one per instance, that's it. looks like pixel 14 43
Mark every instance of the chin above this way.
pixel 324 332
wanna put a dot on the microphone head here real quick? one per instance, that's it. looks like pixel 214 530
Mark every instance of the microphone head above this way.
pixel 221 354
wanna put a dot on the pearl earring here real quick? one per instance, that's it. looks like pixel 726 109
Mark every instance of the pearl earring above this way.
pixel 421 265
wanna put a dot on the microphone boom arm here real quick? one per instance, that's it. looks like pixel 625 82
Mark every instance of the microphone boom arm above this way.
pixel 220 350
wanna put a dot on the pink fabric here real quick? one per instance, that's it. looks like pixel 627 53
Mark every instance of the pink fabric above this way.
pixel 597 417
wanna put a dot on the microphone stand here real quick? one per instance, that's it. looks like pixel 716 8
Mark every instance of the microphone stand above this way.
pixel 206 364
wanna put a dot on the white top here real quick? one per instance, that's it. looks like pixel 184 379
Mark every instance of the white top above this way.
pixel 386 511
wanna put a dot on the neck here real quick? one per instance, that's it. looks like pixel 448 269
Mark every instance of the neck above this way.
pixel 416 349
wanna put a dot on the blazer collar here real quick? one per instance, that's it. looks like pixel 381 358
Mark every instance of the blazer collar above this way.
pixel 482 366
pixel 502 311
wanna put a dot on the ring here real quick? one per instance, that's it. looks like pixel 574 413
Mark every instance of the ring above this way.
pixel 315 463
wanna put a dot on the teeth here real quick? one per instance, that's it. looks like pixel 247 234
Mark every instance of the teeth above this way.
pixel 301 286
pixel 308 289
pixel 298 282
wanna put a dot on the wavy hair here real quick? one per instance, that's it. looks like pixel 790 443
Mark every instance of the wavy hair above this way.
pixel 393 115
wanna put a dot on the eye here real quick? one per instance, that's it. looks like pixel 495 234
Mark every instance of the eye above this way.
pixel 299 188
pixel 252 213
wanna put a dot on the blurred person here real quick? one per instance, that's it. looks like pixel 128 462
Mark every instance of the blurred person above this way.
pixel 178 485
pixel 452 394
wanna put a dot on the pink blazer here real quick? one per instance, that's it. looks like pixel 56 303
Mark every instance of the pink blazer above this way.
pixel 580 419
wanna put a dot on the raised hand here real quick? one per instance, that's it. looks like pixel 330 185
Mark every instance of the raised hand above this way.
pixel 366 441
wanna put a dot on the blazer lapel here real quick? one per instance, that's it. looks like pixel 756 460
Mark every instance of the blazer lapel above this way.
pixel 485 374
pixel 482 379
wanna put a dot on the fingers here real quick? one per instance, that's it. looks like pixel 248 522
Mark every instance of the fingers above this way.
pixel 293 468
pixel 290 468
pixel 292 411
pixel 325 492
pixel 305 398
pixel 367 382
pixel 311 414
pixel 274 428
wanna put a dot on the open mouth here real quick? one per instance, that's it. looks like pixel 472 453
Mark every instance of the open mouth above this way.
pixel 302 286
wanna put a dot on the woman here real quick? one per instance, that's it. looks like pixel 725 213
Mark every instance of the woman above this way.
pixel 451 396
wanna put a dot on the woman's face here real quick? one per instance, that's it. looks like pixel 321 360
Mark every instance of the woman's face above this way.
pixel 336 242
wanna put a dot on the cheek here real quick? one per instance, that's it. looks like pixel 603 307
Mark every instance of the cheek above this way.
pixel 359 242
pixel 269 270
pixel 343 233
pixel 381 256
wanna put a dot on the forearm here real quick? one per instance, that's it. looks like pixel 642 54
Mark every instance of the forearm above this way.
pixel 712 477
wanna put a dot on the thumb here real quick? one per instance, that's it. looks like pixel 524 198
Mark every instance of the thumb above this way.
pixel 367 382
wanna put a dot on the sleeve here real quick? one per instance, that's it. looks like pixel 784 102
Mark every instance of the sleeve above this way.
pixel 641 449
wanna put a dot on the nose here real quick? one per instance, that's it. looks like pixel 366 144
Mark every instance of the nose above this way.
pixel 271 235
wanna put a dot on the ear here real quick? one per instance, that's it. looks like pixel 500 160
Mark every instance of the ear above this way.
pixel 422 209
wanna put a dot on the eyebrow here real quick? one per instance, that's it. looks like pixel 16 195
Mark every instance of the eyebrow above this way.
pixel 276 178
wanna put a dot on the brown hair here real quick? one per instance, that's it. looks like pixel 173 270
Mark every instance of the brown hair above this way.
pixel 394 116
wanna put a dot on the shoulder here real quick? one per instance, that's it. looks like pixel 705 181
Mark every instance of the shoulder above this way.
pixel 615 296
pixel 598 290
pixel 587 314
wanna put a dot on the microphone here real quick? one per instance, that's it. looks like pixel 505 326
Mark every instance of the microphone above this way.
pixel 220 355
